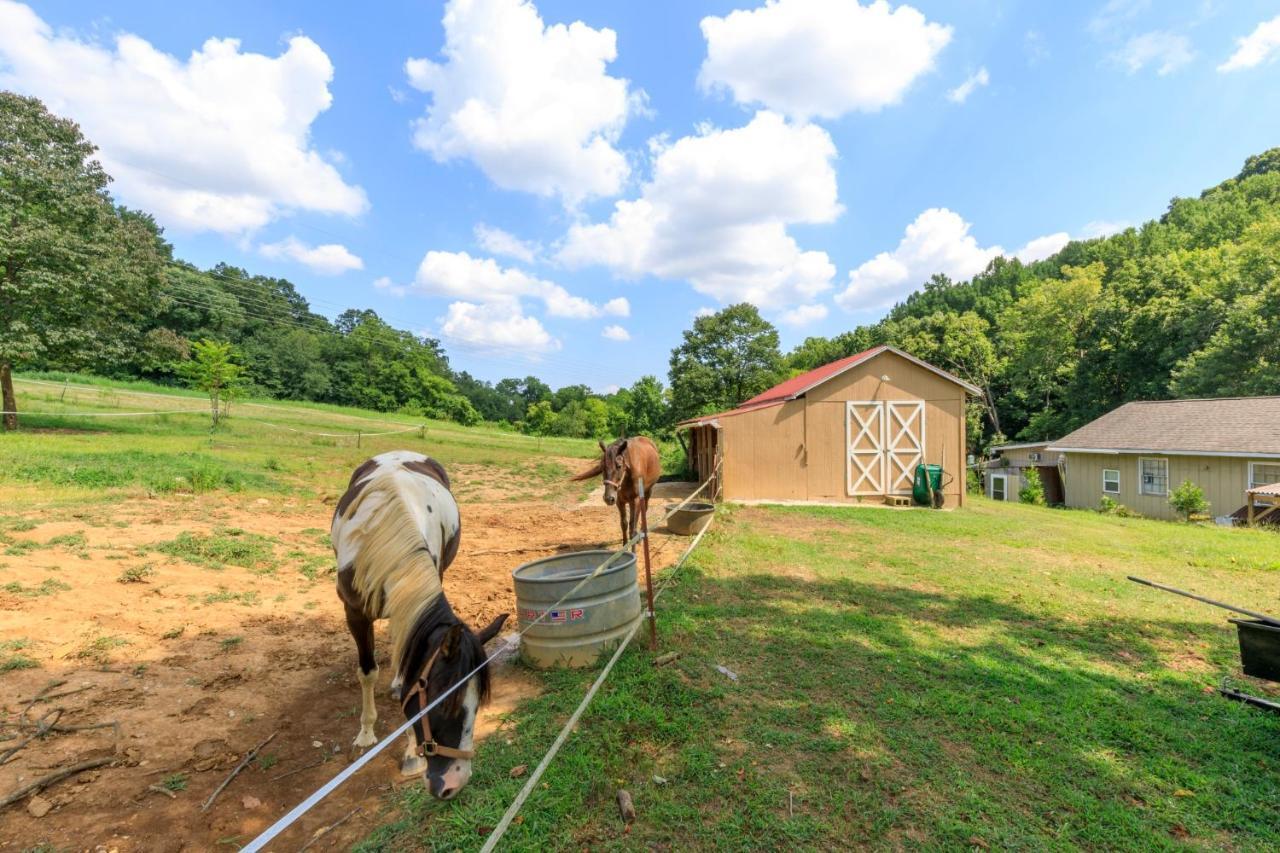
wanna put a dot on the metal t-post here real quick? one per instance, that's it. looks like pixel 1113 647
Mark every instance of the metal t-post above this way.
pixel 648 572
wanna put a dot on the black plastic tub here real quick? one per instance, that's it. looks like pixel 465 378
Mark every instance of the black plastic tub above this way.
pixel 1259 648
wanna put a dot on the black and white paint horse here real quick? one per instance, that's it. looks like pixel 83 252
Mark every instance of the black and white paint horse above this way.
pixel 395 531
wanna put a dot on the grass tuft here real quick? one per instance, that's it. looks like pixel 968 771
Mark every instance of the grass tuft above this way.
pixel 225 546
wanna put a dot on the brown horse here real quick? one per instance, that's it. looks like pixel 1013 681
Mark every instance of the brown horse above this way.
pixel 625 464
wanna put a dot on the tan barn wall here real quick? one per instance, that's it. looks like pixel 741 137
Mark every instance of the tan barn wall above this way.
pixel 764 453
pixel 1223 479
pixel 797 451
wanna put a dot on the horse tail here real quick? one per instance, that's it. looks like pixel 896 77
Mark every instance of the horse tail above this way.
pixel 594 471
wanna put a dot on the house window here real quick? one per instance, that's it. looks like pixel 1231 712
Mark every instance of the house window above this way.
pixel 1034 456
pixel 1263 474
pixel 1111 481
pixel 1153 477
pixel 999 488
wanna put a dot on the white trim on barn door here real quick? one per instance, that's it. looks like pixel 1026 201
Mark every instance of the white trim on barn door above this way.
pixel 904 449
pixel 867 461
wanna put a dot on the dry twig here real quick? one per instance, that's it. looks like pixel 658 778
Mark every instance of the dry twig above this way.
pixel 42 729
pixel 299 770
pixel 160 789
pixel 56 776
pixel 323 831
pixel 234 773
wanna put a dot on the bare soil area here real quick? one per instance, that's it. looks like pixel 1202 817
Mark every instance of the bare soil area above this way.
pixel 196 660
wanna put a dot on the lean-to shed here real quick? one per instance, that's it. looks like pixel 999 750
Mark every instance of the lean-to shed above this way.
pixel 850 431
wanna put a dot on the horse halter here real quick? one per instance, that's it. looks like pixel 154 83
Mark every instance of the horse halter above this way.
pixel 622 467
pixel 428 746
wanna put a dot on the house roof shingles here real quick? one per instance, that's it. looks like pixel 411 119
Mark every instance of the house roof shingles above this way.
pixel 1235 426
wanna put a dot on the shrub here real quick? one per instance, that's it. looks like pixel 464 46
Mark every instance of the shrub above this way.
pixel 1110 506
pixel 973 483
pixel 1188 499
pixel 1033 491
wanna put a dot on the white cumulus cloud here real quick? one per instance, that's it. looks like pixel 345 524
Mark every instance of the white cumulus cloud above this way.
pixel 530 104
pixel 615 333
pixel 972 83
pixel 1103 228
pixel 498 325
pixel 1164 51
pixel 804 315
pixel 715 213
pixel 459 275
pixel 819 58
pixel 1040 248
pixel 1261 45
pixel 217 142
pixel 495 241
pixel 938 241
pixel 327 259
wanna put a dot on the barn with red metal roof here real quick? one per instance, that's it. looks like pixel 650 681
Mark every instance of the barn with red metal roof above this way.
pixel 850 431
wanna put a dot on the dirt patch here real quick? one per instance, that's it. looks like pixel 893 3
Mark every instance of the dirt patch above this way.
pixel 198 659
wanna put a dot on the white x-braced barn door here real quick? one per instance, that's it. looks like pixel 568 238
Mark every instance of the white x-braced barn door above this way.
pixel 864 428
pixel 885 444
pixel 904 444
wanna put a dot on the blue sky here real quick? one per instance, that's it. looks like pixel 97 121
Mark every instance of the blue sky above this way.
pixel 558 187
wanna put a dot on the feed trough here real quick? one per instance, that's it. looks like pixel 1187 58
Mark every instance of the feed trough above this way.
pixel 591 621
pixel 1259 643
pixel 690 518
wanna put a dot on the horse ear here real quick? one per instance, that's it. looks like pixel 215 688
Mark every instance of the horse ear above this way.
pixel 452 641
pixel 603 449
pixel 491 630
pixel 622 446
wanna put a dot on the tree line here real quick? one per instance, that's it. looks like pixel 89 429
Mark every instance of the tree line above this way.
pixel 1185 305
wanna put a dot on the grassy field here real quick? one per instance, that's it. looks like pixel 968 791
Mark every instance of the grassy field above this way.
pixel 983 678
pixel 976 679
pixel 265 447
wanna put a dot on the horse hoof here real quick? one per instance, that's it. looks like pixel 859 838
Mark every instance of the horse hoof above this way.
pixel 397 692
pixel 364 739
pixel 413 765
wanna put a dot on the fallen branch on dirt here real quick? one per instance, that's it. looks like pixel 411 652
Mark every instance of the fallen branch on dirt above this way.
pixel 42 729
pixel 34 699
pixel 323 831
pixel 56 776
pixel 249 756
pixel 43 697
pixel 299 770
pixel 160 789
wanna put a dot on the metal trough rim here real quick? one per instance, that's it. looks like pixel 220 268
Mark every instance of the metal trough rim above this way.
pixel 696 507
pixel 620 564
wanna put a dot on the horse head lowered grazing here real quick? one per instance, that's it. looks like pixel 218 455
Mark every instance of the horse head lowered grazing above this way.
pixel 625 464
pixel 395 531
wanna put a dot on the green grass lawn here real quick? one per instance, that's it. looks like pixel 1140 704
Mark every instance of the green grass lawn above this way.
pixel 983 678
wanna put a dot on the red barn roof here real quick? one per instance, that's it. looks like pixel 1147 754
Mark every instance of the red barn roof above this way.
pixel 796 386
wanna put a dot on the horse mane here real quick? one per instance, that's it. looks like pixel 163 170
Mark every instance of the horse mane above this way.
pixel 438 620
pixel 594 471
pixel 393 559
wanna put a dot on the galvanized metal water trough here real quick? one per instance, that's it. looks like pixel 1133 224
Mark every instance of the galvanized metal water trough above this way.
pixel 592 621
pixel 690 518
